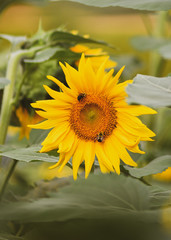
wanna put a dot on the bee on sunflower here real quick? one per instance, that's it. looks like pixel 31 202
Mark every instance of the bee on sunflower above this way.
pixel 91 118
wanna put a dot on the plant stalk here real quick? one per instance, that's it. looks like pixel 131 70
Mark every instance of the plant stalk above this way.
pixel 5 182
pixel 7 100
pixel 156 61
pixel 7 103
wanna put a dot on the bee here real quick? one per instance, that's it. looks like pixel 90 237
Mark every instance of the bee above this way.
pixel 100 137
pixel 81 96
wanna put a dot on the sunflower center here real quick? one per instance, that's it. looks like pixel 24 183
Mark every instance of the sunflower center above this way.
pixel 91 116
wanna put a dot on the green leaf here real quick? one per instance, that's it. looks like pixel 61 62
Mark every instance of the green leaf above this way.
pixel 62 36
pixel 14 40
pixel 29 154
pixel 98 197
pixel 109 203
pixel 5 148
pixel 150 91
pixel 160 197
pixel 165 51
pixel 149 5
pixel 4 82
pixel 44 55
pixel 146 43
pixel 57 53
pixel 158 165
pixel 8 236
pixel 37 136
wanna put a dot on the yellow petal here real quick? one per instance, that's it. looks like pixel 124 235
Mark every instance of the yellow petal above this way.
pixel 45 124
pixel 89 156
pixel 102 77
pixel 67 156
pixel 61 85
pixel 77 158
pixel 123 154
pixel 102 158
pixel 67 142
pixel 135 149
pixel 126 139
pixel 134 127
pixel 61 158
pixel 103 168
pixel 119 90
pixel 51 104
pixel 89 75
pixel 58 95
pixel 56 132
pixel 72 77
pixel 136 110
pixel 60 115
pixel 112 154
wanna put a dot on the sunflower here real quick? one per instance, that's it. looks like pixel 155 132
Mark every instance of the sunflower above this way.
pixel 91 118
pixel 25 119
pixel 97 56
pixel 164 176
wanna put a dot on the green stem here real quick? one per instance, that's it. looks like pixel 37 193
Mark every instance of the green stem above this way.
pixel 17 96
pixel 7 100
pixel 156 61
pixel 157 64
pixel 147 23
pixel 7 103
pixel 4 184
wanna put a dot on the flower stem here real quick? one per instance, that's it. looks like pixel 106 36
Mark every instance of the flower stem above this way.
pixel 156 61
pixel 7 103
pixel 4 184
pixel 7 100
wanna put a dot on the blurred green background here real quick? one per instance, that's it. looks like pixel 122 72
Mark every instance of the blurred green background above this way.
pixel 112 24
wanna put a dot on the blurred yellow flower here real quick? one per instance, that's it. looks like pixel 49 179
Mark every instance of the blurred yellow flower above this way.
pixel 97 56
pixel 166 219
pixel 45 174
pixel 25 119
pixel 91 118
pixel 164 176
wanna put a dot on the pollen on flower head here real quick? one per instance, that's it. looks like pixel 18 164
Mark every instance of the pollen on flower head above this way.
pixel 91 116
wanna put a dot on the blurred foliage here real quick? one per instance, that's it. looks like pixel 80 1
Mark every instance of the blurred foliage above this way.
pixel 6 3
pixel 105 200
pixel 150 5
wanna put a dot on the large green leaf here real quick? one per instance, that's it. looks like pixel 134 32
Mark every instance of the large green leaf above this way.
pixel 145 43
pixel 158 165
pixel 165 51
pixel 99 197
pixel 106 203
pixel 159 196
pixel 28 154
pixel 3 82
pixel 150 91
pixel 8 236
pixel 150 5
pixel 63 36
